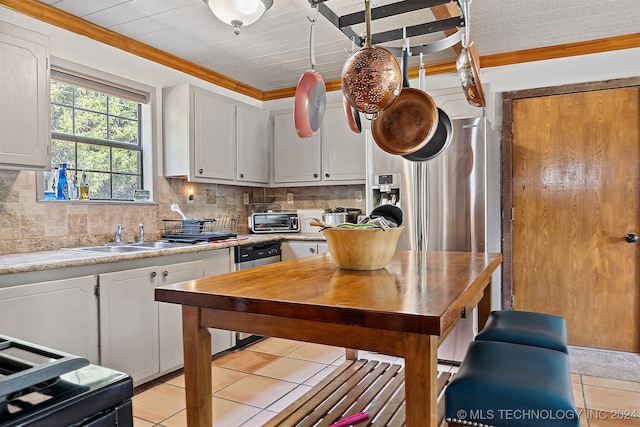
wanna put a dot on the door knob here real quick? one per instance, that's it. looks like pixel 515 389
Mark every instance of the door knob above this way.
pixel 631 238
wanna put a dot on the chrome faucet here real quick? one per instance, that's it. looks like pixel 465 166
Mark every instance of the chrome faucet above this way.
pixel 141 232
pixel 118 235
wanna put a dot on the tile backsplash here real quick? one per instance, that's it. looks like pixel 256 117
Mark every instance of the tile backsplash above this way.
pixel 27 225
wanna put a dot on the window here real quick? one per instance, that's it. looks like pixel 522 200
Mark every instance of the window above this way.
pixel 96 129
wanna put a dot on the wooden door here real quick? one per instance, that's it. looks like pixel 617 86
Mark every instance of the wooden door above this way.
pixel 576 194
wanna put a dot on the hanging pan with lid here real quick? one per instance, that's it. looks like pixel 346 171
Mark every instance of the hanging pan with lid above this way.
pixel 410 122
pixel 310 99
pixel 468 63
pixel 371 77
pixel 441 138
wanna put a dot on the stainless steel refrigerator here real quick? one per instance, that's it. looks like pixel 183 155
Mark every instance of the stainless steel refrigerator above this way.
pixel 444 202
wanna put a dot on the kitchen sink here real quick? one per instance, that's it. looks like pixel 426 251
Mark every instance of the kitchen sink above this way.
pixel 160 245
pixel 126 247
pixel 112 249
pixel 118 244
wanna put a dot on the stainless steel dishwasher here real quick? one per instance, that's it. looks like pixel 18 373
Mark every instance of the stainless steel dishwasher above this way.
pixel 249 256
pixel 256 254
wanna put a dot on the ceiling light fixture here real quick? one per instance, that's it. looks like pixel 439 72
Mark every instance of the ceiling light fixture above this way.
pixel 239 12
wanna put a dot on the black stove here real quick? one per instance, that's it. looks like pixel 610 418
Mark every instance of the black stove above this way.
pixel 44 387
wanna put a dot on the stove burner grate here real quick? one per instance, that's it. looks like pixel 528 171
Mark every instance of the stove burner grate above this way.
pixel 24 365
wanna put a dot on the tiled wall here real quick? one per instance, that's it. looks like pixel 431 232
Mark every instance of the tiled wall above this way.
pixel 27 225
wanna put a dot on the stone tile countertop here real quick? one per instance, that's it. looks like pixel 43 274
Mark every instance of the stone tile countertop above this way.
pixel 73 257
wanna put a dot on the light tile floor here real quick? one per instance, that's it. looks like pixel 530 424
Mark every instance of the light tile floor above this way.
pixel 251 385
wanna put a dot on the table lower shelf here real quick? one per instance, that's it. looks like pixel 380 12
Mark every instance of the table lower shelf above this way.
pixel 355 386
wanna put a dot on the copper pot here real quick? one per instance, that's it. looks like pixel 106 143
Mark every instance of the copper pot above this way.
pixel 438 143
pixel 409 123
pixel 371 77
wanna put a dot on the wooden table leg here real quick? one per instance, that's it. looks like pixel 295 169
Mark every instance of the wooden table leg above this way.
pixel 351 354
pixel 420 378
pixel 484 307
pixel 197 368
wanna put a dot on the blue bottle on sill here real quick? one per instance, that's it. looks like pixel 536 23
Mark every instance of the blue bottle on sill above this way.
pixel 62 192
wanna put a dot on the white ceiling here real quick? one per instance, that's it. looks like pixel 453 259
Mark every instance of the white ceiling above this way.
pixel 274 52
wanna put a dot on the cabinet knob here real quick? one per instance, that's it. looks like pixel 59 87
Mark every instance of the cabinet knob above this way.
pixel 200 171
pixel 631 238
pixel 241 175
pixel 326 175
pixel 315 175
pixel 153 274
pixel 165 273
pixel 313 251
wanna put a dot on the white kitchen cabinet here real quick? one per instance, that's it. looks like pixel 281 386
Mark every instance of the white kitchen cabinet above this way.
pixel 299 249
pixel 334 155
pixel 129 322
pixel 296 160
pixel 199 135
pixel 343 151
pixel 143 337
pixel 170 315
pixel 61 314
pixel 140 336
pixel 24 99
pixel 252 130
pixel 214 131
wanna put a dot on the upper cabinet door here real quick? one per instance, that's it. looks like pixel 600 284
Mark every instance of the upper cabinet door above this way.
pixel 343 151
pixel 214 136
pixel 24 99
pixel 295 159
pixel 252 128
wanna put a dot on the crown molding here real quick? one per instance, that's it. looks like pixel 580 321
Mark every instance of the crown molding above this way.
pixel 51 15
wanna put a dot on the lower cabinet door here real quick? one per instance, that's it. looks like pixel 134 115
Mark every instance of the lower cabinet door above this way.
pixel 323 248
pixel 129 322
pixel 61 314
pixel 294 250
pixel 170 315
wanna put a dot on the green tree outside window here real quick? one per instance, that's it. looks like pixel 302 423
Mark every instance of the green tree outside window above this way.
pixel 99 134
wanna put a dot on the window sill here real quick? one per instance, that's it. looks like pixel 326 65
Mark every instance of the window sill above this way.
pixel 99 202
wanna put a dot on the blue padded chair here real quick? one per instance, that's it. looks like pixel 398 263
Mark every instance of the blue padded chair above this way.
pixel 504 384
pixel 524 327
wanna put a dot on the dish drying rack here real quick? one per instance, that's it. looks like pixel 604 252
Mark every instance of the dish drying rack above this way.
pixel 200 229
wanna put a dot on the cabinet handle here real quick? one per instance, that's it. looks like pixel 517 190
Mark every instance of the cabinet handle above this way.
pixel 153 274
pixel 313 251
pixel 165 273
pixel 201 171
pixel 326 175
pixel 315 175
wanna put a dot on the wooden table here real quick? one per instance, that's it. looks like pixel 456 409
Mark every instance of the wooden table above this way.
pixel 403 310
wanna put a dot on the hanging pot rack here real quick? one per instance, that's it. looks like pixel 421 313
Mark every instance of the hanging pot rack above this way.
pixel 344 24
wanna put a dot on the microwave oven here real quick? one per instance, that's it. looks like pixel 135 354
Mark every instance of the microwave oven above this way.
pixel 274 222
